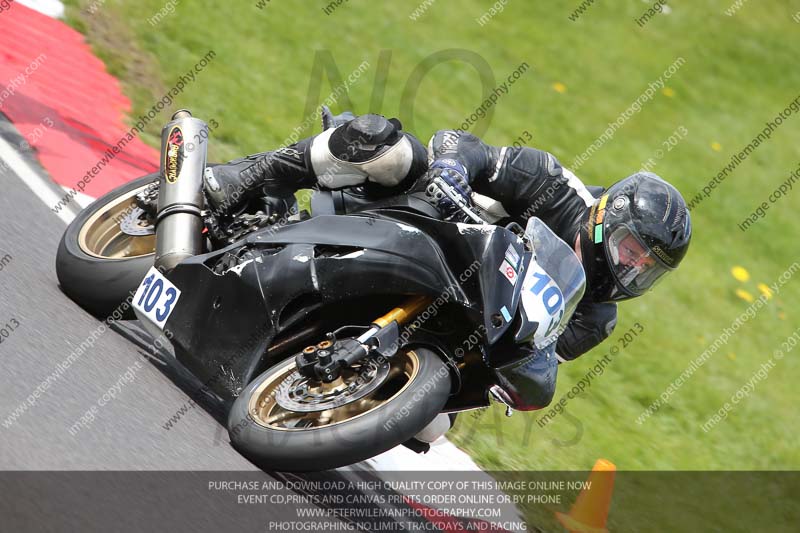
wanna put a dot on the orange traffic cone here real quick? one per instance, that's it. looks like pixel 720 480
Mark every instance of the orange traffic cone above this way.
pixel 590 511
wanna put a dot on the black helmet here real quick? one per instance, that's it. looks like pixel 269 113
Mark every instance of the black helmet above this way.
pixel 638 231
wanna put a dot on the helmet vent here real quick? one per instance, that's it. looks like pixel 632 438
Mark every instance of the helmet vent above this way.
pixel 677 225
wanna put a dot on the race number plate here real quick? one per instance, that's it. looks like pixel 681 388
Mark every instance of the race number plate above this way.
pixel 543 301
pixel 156 298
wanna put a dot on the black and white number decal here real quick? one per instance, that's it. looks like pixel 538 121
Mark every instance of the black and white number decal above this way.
pixel 156 297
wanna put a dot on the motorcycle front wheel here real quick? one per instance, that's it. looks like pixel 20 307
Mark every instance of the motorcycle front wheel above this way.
pixel 410 393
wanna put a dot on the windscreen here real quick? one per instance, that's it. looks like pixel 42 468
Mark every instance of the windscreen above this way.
pixel 554 283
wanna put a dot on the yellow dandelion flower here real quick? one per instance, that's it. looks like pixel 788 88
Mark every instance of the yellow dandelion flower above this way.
pixel 740 273
pixel 716 146
pixel 559 87
pixel 744 295
pixel 668 92
pixel 782 315
pixel 765 290
pixel 732 356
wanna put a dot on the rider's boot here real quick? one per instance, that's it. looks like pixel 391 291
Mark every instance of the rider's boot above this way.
pixel 276 174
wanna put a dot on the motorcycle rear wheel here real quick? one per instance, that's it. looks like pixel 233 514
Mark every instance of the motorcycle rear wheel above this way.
pixel 97 264
pixel 278 439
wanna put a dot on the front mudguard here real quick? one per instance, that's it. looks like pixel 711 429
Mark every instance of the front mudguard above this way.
pixel 528 382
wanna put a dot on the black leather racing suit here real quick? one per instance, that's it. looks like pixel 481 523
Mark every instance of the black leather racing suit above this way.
pixel 530 182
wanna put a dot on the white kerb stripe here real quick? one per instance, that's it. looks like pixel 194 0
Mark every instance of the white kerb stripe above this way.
pixel 83 200
pixel 32 179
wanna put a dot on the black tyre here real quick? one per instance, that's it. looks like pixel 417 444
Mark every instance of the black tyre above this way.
pixel 410 395
pixel 97 264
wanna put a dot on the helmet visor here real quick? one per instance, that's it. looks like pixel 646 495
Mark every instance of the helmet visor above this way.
pixel 634 266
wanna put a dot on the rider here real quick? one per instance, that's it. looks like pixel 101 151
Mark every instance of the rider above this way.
pixel 627 236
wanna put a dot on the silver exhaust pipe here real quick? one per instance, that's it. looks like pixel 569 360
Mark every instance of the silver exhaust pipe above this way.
pixel 179 224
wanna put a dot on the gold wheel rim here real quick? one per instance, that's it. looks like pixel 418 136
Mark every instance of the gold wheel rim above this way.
pixel 101 236
pixel 266 411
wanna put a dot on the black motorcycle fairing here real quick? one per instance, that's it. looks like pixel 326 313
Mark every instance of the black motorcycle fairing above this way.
pixel 463 244
pixel 401 258
pixel 219 326
pixel 503 301
pixel 329 259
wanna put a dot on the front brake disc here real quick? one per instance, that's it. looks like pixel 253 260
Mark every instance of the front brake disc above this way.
pixel 305 395
pixel 131 224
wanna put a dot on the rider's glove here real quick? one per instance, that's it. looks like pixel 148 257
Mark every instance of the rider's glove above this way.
pixel 446 187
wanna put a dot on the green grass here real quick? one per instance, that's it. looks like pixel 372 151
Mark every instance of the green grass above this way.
pixel 740 71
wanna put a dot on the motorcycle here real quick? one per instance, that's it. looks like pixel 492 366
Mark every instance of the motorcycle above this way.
pixel 333 337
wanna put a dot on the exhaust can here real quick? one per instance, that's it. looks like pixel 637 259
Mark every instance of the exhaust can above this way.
pixel 179 227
